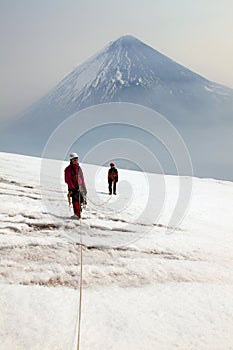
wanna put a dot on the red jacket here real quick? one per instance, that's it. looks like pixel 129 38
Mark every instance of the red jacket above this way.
pixel 74 178
pixel 113 174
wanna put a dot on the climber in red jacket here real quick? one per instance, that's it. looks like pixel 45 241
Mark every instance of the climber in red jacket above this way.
pixel 76 184
pixel 112 178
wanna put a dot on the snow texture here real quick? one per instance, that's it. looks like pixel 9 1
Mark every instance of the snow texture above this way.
pixel 143 288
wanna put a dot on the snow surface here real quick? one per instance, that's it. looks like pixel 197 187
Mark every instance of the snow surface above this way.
pixel 144 287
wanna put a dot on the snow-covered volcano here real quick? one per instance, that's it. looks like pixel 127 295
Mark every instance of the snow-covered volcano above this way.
pixel 155 291
pixel 128 70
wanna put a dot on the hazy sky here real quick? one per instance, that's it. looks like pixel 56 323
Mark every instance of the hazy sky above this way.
pixel 43 40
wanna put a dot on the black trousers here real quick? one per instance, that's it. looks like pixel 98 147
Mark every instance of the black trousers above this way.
pixel 112 184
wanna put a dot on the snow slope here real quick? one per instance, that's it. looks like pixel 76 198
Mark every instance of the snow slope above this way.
pixel 145 286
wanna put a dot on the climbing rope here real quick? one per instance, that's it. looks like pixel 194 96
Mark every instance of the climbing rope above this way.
pixel 80 288
pixel 99 205
pixel 81 278
pixel 80 281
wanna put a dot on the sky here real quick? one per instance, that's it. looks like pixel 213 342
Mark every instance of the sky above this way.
pixel 43 41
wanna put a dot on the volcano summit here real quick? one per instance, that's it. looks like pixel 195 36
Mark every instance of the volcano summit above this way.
pixel 128 70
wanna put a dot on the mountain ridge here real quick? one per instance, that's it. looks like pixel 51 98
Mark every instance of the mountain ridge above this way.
pixel 79 89
pixel 116 70
pixel 128 70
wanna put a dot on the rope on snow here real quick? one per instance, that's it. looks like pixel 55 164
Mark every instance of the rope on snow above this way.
pixel 80 288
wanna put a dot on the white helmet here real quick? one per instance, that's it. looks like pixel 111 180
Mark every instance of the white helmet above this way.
pixel 73 155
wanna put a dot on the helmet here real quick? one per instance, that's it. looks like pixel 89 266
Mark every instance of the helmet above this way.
pixel 112 164
pixel 73 155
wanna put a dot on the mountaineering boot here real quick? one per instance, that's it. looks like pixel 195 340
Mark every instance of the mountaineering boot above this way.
pixel 75 217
